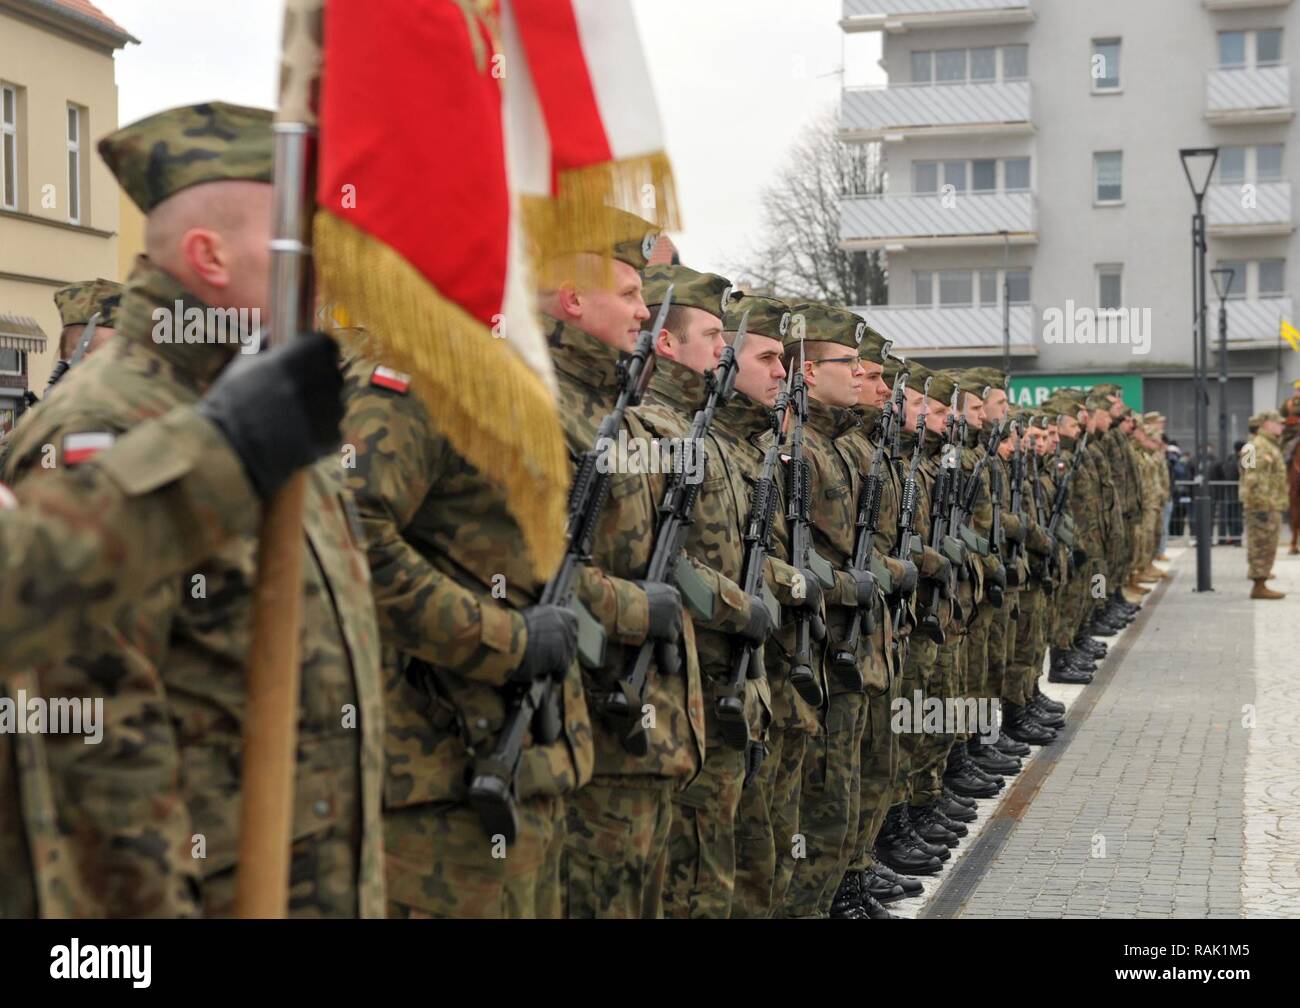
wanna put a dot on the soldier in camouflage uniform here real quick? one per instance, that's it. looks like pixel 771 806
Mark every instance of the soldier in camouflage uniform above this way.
pixel 767 821
pixel 147 822
pixel 616 848
pixel 826 343
pixel 1263 497
pixel 702 844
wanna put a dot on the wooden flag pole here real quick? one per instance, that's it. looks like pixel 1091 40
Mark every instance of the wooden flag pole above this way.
pixel 271 714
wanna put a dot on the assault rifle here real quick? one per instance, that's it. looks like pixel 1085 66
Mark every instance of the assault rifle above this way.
pixel 945 490
pixel 1058 523
pixel 807 625
pixel 730 706
pixel 907 513
pixel 62 367
pixel 863 564
pixel 491 789
pixel 1016 504
pixel 675 515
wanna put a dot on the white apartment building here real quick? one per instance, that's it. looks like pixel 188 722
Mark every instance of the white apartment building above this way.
pixel 1032 146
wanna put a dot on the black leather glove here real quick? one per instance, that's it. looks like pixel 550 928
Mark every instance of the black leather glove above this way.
pixel 907 583
pixel 1080 557
pixel 760 622
pixel 867 586
pixel 812 593
pixel 280 410
pixel 665 603
pixel 551 642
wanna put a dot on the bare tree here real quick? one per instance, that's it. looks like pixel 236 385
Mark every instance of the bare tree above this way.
pixel 799 256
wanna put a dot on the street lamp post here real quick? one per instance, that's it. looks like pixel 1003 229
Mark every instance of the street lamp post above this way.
pixel 1006 302
pixel 1223 279
pixel 1198 166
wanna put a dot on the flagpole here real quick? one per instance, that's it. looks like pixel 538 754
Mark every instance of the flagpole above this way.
pixel 271 715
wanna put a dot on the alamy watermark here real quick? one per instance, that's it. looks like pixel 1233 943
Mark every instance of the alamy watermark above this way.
pixel 35 715
pixel 639 456
pixel 923 715
pixel 1099 326
pixel 221 326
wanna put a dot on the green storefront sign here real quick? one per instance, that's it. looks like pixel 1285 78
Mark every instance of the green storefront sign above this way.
pixel 1031 390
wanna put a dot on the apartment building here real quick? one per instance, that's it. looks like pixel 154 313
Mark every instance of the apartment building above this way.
pixel 1034 189
pixel 58 203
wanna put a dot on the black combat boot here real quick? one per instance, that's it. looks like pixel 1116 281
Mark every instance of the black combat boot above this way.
pixel 1010 746
pixel 1100 628
pixel 990 759
pixel 929 829
pixel 908 819
pixel 874 910
pixel 1023 728
pixel 968 785
pixel 880 888
pixel 1046 702
pixel 1046 718
pixel 971 768
pixel 894 847
pixel 847 902
pixel 950 805
pixel 1064 673
pixel 1092 648
pixel 910 886
pixel 945 820
pixel 970 803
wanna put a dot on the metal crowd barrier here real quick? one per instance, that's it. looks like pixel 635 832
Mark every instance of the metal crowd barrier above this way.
pixel 1225 513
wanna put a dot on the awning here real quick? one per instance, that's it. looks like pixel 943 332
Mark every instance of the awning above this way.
pixel 18 332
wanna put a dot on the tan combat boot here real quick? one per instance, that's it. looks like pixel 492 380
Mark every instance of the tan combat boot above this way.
pixel 1135 587
pixel 1263 591
pixel 1154 573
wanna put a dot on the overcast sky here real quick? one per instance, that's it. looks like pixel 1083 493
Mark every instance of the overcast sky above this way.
pixel 735 79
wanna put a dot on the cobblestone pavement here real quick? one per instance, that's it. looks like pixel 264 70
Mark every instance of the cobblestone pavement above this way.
pixel 1175 789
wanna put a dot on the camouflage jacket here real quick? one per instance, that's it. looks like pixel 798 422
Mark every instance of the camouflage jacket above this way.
pixel 834 444
pixel 146 822
pixel 450 573
pixel 715 543
pixel 1263 484
pixel 621 547
pixel 1085 500
pixel 1108 506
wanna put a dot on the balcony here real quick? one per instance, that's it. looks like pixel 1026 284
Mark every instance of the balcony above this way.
pixel 896 16
pixel 953 332
pixel 1252 325
pixel 1249 210
pixel 935 221
pixel 1247 95
pixel 903 111
pixel 1236 5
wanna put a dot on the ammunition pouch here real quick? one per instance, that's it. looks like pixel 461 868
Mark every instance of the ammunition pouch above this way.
pixel 592 639
pixel 697 596
pixel 973 541
pixel 881 573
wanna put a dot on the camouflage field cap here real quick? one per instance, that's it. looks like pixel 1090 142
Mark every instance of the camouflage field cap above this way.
pixel 1096 401
pixel 164 153
pixel 1108 388
pixel 915 372
pixel 768 316
pixel 1269 414
pixel 1153 417
pixel 988 377
pixel 691 289
pixel 821 323
pixel 941 389
pixel 77 302
pixel 875 347
pixel 967 381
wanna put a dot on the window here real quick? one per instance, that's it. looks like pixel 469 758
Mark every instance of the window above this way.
pixel 8 147
pixel 922 63
pixel 1239 269
pixel 923 288
pixel 1105 64
pixel 955 288
pixel 1268 162
pixel 1232 49
pixel 1272 278
pixel 1108 177
pixel 1016 175
pixel 988 288
pixel 1232 164
pixel 1018 286
pixel 11 362
pixel 925 177
pixel 1110 287
pixel 984 176
pixel 954 174
pixel 1268 47
pixel 983 64
pixel 74 164
pixel 950 65
pixel 1015 62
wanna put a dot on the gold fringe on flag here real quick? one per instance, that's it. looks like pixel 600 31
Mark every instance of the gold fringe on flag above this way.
pixel 572 220
pixel 496 412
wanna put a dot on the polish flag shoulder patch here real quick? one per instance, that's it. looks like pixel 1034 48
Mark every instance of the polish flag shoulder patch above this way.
pixel 83 447
pixel 387 378
pixel 7 499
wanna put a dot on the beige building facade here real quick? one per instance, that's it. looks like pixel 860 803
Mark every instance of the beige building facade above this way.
pixel 59 206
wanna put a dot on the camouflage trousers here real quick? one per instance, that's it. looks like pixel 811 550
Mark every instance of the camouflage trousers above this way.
pixel 1262 531
pixel 702 837
pixel 1000 628
pixel 917 670
pixel 932 755
pixel 828 808
pixel 880 758
pixel 616 848
pixel 976 659
pixel 767 827
pixel 438 862
pixel 1022 672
